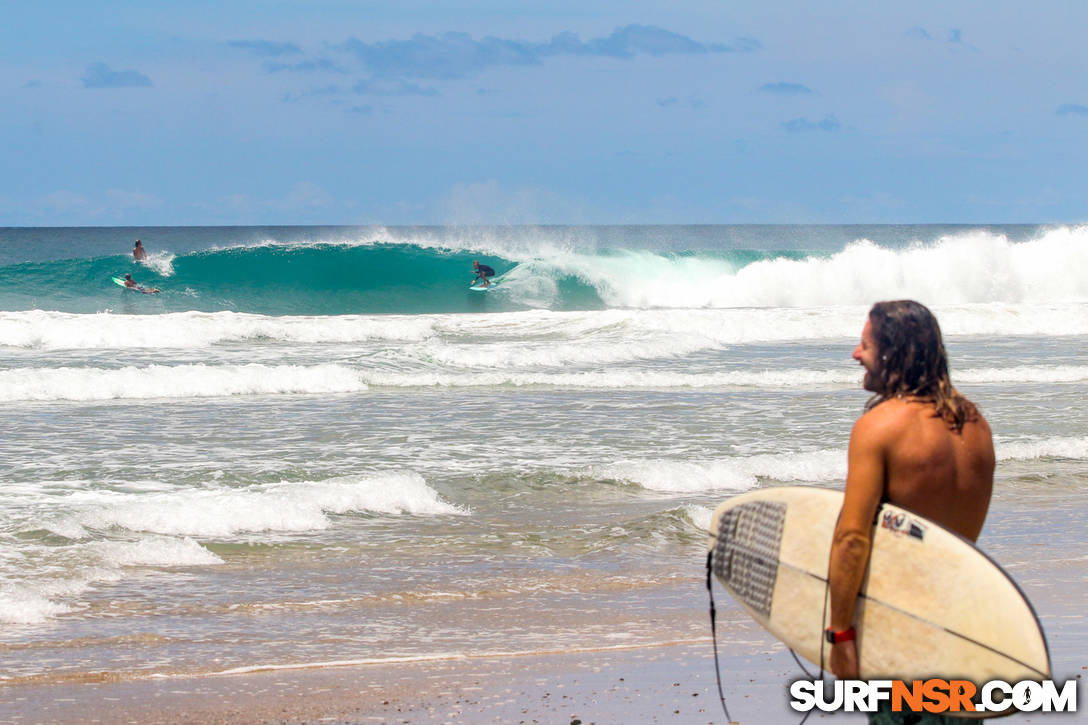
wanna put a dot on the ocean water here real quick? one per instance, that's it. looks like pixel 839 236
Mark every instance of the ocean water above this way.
pixel 316 445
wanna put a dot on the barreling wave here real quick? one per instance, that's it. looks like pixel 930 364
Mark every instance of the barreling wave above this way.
pixel 424 276
pixel 271 279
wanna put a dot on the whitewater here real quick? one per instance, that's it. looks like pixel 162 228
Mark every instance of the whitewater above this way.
pixel 317 445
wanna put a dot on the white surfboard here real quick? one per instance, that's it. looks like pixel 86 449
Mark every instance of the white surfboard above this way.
pixel 931 604
pixel 482 288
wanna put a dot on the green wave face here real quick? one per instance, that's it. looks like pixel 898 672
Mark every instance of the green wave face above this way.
pixel 272 280
pixel 339 279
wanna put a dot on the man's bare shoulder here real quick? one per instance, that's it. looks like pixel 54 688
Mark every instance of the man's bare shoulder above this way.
pixel 886 420
pixel 895 415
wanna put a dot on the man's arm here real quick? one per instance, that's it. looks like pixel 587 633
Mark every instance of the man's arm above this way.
pixel 865 473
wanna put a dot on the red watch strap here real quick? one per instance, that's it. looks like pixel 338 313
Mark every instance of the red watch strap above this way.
pixel 842 636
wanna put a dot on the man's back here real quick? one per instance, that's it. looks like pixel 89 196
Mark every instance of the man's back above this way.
pixel 920 445
pixel 930 468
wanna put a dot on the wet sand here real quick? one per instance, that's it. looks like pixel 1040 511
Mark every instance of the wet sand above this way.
pixel 668 684
pixel 664 684
pixel 671 682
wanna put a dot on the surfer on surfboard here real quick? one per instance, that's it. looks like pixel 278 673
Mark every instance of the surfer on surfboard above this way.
pixel 920 445
pixel 482 272
pixel 131 284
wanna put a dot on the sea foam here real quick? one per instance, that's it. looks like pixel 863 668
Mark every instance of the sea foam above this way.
pixel 37 329
pixel 732 474
pixel 113 534
pixel 516 339
pixel 1072 448
pixel 175 381
pixel 552 363
pixel 76 568
pixel 971 267
pixel 283 507
pixel 619 379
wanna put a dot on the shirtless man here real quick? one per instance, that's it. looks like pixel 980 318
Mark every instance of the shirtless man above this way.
pixel 919 444
pixel 138 251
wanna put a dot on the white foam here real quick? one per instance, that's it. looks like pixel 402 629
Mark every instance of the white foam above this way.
pixel 1029 450
pixel 162 262
pixel 1024 374
pixel 700 516
pixel 24 601
pixel 732 474
pixel 535 354
pixel 974 266
pixel 542 337
pixel 281 507
pixel 1022 320
pixel 743 473
pixel 115 534
pixel 175 381
pixel 624 379
pixel 154 551
pixel 203 381
pixel 64 573
pixel 848 375
pixel 37 329
pixel 21 605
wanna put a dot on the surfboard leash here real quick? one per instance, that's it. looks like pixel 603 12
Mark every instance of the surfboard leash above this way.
pixel 714 639
pixel 714 633
pixel 823 618
pixel 801 664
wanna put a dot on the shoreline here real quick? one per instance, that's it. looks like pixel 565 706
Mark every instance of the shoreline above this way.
pixel 664 683
pixel 668 683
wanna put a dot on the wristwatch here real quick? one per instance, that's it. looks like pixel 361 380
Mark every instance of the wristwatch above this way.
pixel 844 635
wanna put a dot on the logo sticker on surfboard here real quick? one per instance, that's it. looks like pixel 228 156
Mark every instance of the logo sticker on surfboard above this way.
pixel 898 522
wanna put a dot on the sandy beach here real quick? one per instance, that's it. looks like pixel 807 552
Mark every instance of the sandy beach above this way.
pixel 665 684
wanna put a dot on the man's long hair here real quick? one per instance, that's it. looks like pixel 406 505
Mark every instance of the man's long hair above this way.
pixel 912 360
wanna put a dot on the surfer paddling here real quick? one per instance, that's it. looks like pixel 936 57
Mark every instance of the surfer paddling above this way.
pixel 132 284
pixel 920 445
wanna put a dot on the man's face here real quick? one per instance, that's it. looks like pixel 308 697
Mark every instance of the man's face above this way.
pixel 866 354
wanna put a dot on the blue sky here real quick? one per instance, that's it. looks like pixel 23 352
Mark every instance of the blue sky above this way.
pixel 500 112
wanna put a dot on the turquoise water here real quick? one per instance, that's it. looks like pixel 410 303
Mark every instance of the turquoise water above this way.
pixel 316 444
pixel 353 270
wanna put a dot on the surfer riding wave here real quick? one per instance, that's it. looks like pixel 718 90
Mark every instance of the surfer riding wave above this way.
pixel 483 272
